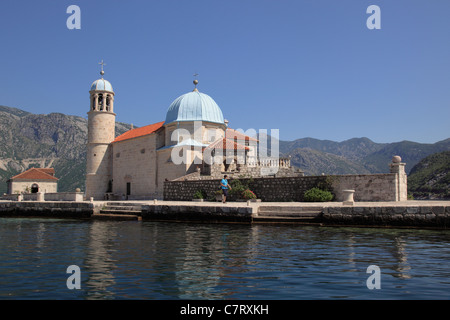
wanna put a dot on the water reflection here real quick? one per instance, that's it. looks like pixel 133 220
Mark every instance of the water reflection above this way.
pixel 152 260
pixel 401 256
pixel 98 263
pixel 351 253
pixel 40 235
pixel 193 274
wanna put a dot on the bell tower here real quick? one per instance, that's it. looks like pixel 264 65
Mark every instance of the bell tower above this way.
pixel 101 132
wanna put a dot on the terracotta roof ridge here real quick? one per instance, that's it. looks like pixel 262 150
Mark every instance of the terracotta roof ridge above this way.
pixel 30 174
pixel 139 132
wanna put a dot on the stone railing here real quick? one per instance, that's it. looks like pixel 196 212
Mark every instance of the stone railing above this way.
pixel 270 162
pixel 64 196
pixel 40 196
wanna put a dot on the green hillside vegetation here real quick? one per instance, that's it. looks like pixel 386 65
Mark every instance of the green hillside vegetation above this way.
pixel 430 178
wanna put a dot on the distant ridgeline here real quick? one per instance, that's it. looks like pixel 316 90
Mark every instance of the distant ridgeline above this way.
pixel 59 141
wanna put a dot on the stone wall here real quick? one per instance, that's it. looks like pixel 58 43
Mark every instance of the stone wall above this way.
pixel 435 216
pixel 48 209
pixel 368 187
pixel 266 189
pixel 284 189
pixel 134 162
pixel 184 190
pixel 206 213
pixel 374 187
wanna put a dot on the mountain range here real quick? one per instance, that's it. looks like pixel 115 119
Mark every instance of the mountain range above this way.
pixel 59 141
pixel 355 156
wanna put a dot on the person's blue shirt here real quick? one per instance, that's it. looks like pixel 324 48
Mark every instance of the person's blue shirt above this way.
pixel 224 182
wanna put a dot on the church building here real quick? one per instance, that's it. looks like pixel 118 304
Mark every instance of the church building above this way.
pixel 193 142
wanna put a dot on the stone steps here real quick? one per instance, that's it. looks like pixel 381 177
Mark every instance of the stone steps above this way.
pixel 124 212
pixel 115 216
pixel 289 212
pixel 121 209
pixel 125 208
pixel 283 219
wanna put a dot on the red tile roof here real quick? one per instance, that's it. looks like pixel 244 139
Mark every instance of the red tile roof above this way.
pixel 50 171
pixel 139 132
pixel 35 174
pixel 231 134
pixel 226 144
pixel 236 135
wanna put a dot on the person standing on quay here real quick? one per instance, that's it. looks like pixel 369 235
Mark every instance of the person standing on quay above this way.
pixel 225 186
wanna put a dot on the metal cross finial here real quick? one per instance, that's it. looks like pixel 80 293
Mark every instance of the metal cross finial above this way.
pixel 103 64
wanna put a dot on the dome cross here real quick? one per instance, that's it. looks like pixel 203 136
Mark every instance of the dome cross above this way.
pixel 103 64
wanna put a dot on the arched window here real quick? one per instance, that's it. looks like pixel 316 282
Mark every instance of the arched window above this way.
pixel 34 188
pixel 100 102
pixel 108 102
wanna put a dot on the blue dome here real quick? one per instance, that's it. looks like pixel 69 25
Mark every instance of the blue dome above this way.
pixel 102 84
pixel 194 106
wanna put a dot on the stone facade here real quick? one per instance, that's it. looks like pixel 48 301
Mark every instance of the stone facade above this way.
pixel 33 180
pixel 24 186
pixel 134 165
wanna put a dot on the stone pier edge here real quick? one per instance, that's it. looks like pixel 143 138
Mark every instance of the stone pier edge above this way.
pixel 426 214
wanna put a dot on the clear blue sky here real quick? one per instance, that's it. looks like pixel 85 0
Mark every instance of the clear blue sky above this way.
pixel 310 68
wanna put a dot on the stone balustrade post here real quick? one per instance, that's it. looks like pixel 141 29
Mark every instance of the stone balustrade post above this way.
pixel 348 197
pixel 40 197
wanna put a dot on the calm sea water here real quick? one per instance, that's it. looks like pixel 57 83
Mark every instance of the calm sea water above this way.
pixel 156 260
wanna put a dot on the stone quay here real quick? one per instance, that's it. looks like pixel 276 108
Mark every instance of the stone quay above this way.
pixel 408 214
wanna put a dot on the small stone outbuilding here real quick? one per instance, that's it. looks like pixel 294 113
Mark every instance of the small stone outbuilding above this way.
pixel 34 180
